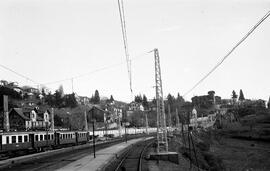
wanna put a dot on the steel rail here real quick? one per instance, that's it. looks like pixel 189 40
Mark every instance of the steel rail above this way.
pixel 141 156
pixel 139 166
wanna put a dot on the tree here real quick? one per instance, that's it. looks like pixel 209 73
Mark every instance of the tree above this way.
pixel 58 121
pixel 43 92
pixel 154 102
pixel 111 99
pixel 61 90
pixel 49 99
pixel 170 99
pixel 70 100
pixel 96 97
pixel 145 102
pixel 234 96
pixel 138 99
pixel 241 95
pixel 58 99
pixel 180 99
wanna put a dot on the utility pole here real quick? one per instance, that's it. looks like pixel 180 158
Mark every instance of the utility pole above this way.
pixel 169 117
pixel 52 124
pixel 162 143
pixel 177 118
pixel 94 139
pixel 146 123
pixel 119 122
pixel 85 118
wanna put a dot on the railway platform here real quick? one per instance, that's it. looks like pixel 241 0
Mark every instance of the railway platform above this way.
pixel 103 157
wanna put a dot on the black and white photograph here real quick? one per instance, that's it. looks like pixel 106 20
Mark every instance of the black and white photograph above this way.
pixel 134 85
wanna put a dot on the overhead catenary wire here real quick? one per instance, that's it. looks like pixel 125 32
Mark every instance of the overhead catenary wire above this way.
pixel 124 34
pixel 227 55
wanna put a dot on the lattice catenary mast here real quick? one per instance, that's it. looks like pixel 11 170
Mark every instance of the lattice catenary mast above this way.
pixel 162 143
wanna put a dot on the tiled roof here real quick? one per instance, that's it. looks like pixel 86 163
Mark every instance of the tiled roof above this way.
pixel 19 111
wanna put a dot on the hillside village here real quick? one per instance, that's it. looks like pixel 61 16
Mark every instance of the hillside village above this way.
pixel 31 108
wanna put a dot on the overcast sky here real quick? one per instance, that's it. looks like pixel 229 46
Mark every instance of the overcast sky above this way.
pixel 58 39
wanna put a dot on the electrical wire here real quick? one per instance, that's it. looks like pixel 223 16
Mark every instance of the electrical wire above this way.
pixel 124 34
pixel 227 55
pixel 94 71
pixel 21 75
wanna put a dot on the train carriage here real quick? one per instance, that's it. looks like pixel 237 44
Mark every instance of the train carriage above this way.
pixel 41 140
pixel 14 141
pixel 82 137
pixel 11 142
pixel 63 138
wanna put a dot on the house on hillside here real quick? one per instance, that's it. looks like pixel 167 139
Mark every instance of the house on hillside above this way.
pixel 30 92
pixel 18 90
pixel 29 89
pixel 3 83
pixel 134 106
pixel 99 115
pixel 206 101
pixel 21 119
pixel 12 84
pixel 18 121
pixel 254 103
pixel 82 100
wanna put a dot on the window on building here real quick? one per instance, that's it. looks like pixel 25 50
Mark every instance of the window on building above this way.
pixel 25 138
pixel 52 136
pixel 13 139
pixel 45 137
pixel 41 137
pixel 36 137
pixel 19 139
pixel 7 140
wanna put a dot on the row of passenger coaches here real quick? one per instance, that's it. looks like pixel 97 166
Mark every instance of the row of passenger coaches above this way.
pixel 20 141
pixel 14 141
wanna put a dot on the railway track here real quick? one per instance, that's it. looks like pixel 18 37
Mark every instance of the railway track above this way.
pixel 56 161
pixel 132 160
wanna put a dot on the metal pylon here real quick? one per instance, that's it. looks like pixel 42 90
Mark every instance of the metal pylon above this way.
pixel 162 143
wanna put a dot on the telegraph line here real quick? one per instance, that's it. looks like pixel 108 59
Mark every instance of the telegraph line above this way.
pixel 17 73
pixel 227 55
pixel 94 71
pixel 77 76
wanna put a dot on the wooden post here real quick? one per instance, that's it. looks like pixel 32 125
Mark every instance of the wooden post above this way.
pixel 177 118
pixel 146 123
pixel 126 132
pixel 169 117
pixel 52 124
pixel 86 124
pixel 94 143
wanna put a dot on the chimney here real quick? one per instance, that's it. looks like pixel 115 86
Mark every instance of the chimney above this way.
pixel 6 115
